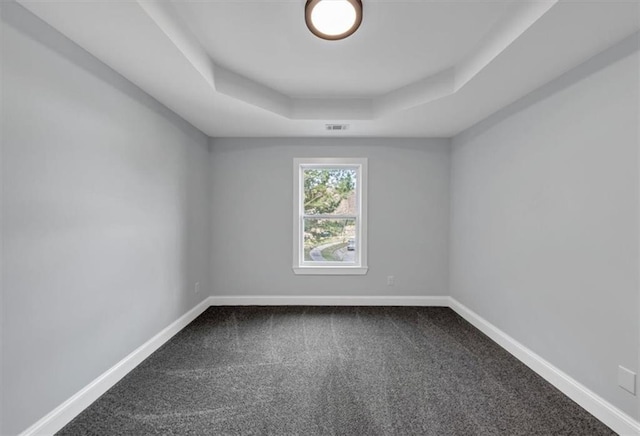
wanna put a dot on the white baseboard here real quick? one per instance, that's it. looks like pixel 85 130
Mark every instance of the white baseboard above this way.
pixel 594 404
pixel 65 412
pixel 338 300
pixel 606 412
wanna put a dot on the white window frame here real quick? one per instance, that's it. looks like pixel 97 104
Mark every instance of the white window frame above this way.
pixel 300 266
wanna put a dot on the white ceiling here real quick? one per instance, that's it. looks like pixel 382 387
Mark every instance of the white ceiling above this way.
pixel 423 68
pixel 398 43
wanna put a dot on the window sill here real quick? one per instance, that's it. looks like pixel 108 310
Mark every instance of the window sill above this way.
pixel 330 270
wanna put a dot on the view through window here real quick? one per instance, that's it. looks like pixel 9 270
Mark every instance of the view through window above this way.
pixel 329 219
pixel 330 214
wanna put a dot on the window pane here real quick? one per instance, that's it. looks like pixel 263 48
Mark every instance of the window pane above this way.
pixel 327 240
pixel 330 191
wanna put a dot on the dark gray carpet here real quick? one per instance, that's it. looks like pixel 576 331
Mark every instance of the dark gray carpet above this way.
pixel 335 371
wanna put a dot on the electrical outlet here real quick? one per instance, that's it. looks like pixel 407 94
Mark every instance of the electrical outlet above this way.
pixel 196 288
pixel 391 280
pixel 627 379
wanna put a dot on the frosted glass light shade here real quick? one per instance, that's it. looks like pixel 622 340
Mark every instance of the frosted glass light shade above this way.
pixel 333 19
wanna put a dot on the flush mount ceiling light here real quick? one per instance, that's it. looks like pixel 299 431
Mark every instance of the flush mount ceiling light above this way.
pixel 333 19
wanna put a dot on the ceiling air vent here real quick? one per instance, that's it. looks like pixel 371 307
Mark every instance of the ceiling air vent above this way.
pixel 336 127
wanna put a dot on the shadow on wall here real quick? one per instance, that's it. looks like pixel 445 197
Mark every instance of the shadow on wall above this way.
pixel 38 30
pixel 621 50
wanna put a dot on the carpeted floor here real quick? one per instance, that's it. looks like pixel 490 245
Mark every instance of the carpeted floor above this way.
pixel 335 371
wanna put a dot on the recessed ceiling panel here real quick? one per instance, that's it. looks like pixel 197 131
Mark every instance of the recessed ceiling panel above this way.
pixel 192 57
pixel 399 42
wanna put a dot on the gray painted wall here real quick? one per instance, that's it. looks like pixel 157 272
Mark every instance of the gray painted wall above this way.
pixel 544 226
pixel 252 197
pixel 106 218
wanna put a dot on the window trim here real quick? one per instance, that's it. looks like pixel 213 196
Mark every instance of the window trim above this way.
pixel 329 268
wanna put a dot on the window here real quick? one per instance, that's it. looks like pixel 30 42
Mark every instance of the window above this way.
pixel 330 216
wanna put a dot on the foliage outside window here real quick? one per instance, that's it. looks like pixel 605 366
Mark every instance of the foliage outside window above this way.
pixel 330 216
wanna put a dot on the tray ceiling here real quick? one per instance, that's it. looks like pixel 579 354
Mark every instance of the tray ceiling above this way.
pixel 414 68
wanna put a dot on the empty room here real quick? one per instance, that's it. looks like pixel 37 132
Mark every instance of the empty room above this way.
pixel 320 217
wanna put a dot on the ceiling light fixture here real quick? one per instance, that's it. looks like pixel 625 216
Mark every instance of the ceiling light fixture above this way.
pixel 333 19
